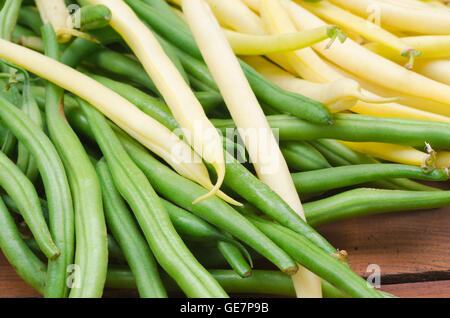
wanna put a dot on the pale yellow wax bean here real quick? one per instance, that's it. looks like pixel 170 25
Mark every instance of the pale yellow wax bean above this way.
pixel 181 100
pixel 56 13
pixel 439 70
pixel 362 62
pixel 231 10
pixel 383 110
pixel 305 62
pixel 247 44
pixel 142 127
pixel 394 153
pixel 400 16
pixel 420 106
pixel 364 27
pixel 339 95
pixel 250 119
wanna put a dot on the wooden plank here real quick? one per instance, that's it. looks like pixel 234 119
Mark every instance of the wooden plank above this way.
pixel 11 285
pixel 406 245
pixel 438 289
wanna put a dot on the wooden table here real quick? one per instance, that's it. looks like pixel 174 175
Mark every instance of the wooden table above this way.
pixel 412 250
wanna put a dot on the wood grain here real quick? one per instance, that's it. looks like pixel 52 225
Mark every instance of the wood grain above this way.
pixel 408 246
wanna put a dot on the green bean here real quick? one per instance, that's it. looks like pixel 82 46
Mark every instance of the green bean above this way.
pixel 345 125
pixel 340 155
pixel 316 260
pixel 125 230
pixel 262 282
pixel 56 188
pixel 168 248
pixel 209 100
pixel 196 69
pixel 191 226
pixel 148 104
pixel 234 257
pixel 168 24
pixel 9 142
pixel 8 18
pixel 30 18
pixel 34 247
pixel 209 256
pixel 77 51
pixel 302 156
pixel 83 3
pixel 115 253
pixel 25 263
pixel 29 106
pixel 200 86
pixel 13 207
pixel 213 210
pixel 22 191
pixel 91 253
pixel 360 202
pixel 94 17
pixel 339 177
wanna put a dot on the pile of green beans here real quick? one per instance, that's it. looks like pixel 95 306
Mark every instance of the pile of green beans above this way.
pixel 84 206
pixel 165 243
pixel 237 176
pixel 213 210
pixel 57 189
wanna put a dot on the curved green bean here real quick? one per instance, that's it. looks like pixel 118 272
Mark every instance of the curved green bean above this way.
pixel 94 17
pixel 339 177
pixel 25 263
pixel 22 191
pixel 91 253
pixel 168 248
pixel 135 248
pixel 360 202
